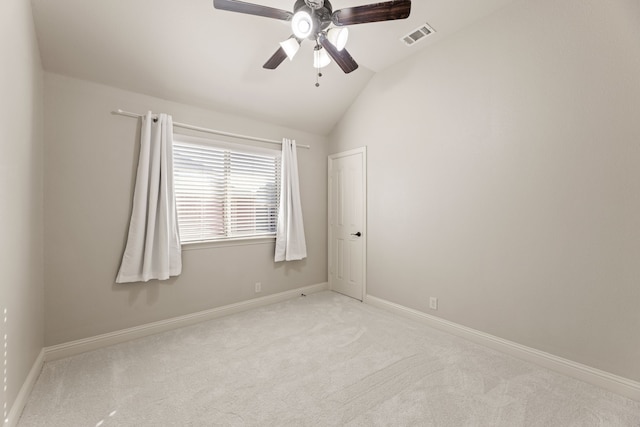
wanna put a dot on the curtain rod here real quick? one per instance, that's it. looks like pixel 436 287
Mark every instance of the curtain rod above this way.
pixel 205 130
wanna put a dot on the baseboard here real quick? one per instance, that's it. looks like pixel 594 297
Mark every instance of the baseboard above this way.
pixel 23 395
pixel 88 344
pixel 597 377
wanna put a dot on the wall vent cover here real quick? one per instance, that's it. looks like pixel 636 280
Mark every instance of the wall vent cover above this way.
pixel 418 34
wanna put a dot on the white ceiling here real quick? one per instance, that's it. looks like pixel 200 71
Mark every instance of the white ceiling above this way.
pixel 187 51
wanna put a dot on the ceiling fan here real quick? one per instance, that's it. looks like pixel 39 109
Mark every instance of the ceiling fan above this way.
pixel 312 19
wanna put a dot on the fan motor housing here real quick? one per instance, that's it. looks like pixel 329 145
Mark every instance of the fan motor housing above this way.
pixel 322 16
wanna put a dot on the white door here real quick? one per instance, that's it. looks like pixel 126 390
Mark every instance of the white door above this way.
pixel 347 222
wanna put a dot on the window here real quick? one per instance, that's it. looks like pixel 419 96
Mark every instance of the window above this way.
pixel 225 191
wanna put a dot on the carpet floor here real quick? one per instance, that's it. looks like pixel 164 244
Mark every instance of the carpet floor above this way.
pixel 320 360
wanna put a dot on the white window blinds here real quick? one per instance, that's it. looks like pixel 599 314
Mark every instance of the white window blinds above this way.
pixel 225 191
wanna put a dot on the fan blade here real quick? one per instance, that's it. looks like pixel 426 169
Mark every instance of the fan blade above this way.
pixel 252 9
pixel 275 60
pixel 387 11
pixel 342 57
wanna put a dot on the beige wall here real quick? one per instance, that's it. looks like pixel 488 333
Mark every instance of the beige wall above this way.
pixel 21 199
pixel 504 178
pixel 90 166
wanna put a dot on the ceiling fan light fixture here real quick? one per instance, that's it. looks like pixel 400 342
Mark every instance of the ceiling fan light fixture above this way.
pixel 313 19
pixel 320 58
pixel 338 37
pixel 290 47
pixel 302 24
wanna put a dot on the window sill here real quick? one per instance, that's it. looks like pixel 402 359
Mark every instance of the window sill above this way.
pixel 243 241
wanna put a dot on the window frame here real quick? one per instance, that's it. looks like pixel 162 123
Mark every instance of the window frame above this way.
pixel 243 147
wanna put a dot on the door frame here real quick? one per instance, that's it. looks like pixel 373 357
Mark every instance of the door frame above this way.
pixel 363 152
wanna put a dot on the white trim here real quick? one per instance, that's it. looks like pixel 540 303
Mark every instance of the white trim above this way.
pixel 365 211
pixel 92 343
pixel 225 145
pixel 25 391
pixel 597 377
pixel 348 153
pixel 225 243
pixel 363 152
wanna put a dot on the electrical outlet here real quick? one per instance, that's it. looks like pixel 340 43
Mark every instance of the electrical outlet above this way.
pixel 258 287
pixel 433 303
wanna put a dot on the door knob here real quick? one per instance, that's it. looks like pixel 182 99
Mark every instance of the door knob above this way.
pixel 358 234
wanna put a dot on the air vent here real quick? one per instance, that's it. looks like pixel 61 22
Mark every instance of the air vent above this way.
pixel 418 34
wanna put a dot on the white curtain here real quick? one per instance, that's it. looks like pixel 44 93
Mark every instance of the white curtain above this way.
pixel 153 245
pixel 290 243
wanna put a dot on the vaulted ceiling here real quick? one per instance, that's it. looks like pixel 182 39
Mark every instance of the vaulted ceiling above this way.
pixel 189 52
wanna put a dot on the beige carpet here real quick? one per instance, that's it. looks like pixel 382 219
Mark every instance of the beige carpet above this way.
pixel 324 359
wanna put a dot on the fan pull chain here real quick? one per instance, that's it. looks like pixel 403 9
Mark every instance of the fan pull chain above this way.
pixel 318 74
